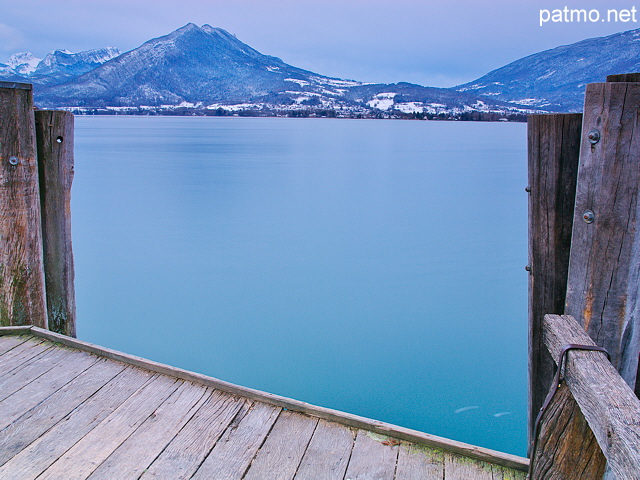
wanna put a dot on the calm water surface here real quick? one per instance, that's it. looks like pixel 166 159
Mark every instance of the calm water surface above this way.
pixel 374 267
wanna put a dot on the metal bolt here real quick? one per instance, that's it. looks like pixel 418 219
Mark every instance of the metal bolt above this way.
pixel 527 189
pixel 594 136
pixel 588 216
pixel 13 161
pixel 528 268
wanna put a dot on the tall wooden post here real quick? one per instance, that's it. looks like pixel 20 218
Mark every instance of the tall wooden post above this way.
pixel 554 147
pixel 54 138
pixel 22 287
pixel 603 290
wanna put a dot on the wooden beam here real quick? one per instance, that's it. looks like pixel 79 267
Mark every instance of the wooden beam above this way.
pixel 553 152
pixel 566 447
pixel 54 138
pixel 603 290
pixel 22 286
pixel 624 77
pixel 609 405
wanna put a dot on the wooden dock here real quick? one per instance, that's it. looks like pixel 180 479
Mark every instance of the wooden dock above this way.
pixel 72 410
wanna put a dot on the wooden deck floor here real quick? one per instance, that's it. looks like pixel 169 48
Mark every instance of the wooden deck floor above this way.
pixel 76 411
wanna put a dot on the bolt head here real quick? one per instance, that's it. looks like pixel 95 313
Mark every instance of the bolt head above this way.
pixel 13 161
pixel 594 136
pixel 588 216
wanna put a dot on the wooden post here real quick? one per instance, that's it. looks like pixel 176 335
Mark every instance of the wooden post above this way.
pixel 608 404
pixel 22 287
pixel 603 289
pixel 566 445
pixel 54 138
pixel 554 148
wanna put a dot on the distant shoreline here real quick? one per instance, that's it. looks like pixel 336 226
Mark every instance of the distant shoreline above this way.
pixel 473 116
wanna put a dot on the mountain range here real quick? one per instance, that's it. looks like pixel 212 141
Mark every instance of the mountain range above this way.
pixel 555 79
pixel 206 70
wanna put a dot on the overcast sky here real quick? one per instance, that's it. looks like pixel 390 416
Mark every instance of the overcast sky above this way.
pixel 436 43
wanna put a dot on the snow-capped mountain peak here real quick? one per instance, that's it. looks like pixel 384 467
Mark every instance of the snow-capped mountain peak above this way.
pixel 23 63
pixel 64 62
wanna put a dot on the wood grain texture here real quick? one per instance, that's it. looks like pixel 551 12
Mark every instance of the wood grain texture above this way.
pixel 35 422
pixel 282 451
pixel 22 286
pixel 21 354
pixel 29 371
pixel 468 469
pixel 328 453
pixel 604 269
pixel 50 446
pixel 96 446
pixel 553 153
pixel 624 77
pixel 23 400
pixel 566 446
pixel 417 461
pixel 606 401
pixel 16 330
pixel 373 457
pixel 139 450
pixel 191 445
pixel 10 342
pixel 54 140
pixel 239 444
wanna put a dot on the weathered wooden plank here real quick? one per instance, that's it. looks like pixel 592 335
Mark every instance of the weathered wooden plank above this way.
pixel 54 140
pixel 457 467
pixel 31 370
pixel 553 153
pixel 22 353
pixel 328 453
pixel 16 85
pixel 188 449
pixel 401 433
pixel 282 451
pixel 22 287
pixel 16 330
pixel 23 400
pixel 624 77
pixel 607 402
pixel 10 342
pixel 604 269
pixel 236 448
pixel 40 454
pixel 38 420
pixel 502 473
pixel 138 451
pixel 417 461
pixel 96 446
pixel 566 446
pixel 373 457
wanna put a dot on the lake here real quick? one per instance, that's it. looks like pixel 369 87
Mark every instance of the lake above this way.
pixel 371 266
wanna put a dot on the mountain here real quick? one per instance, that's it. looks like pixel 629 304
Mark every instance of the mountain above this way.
pixel 62 64
pixel 555 79
pixel 57 67
pixel 209 71
pixel 23 63
pixel 191 65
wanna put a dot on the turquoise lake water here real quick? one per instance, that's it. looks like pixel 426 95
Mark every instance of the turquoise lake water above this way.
pixel 371 266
